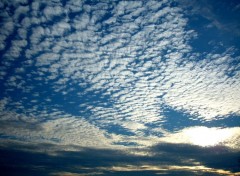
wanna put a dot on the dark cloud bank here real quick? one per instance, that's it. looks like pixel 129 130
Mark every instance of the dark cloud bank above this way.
pixel 19 159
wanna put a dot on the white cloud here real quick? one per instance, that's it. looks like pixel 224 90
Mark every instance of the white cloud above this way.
pixel 67 130
pixel 204 136
pixel 203 90
pixel 136 61
pixel 53 11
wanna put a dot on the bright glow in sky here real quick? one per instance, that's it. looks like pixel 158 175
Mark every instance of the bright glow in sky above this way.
pixel 204 136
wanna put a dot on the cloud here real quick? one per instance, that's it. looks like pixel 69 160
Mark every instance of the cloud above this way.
pixel 221 22
pixel 203 136
pixel 183 159
pixel 62 130
pixel 108 64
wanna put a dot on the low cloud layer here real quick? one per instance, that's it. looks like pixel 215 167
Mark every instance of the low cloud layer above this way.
pixel 161 159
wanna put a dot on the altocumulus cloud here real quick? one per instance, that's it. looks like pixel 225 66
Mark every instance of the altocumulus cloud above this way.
pixel 98 76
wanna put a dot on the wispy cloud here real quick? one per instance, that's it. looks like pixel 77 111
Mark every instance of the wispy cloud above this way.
pixel 66 130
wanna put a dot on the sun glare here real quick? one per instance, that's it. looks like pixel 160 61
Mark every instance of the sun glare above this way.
pixel 203 136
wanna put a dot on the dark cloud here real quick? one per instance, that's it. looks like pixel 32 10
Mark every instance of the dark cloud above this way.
pixel 219 157
pixel 30 160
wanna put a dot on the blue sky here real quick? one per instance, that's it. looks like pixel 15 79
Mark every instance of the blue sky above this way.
pixel 130 82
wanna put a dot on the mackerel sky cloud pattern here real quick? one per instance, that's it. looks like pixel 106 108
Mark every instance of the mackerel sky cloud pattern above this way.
pixel 115 75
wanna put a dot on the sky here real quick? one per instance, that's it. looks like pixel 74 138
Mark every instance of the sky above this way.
pixel 98 87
